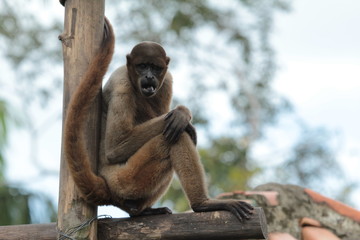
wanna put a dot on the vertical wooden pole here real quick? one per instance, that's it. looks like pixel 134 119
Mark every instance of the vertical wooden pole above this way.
pixel 83 31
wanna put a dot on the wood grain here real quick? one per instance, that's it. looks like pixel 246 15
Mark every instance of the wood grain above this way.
pixel 83 31
pixel 207 225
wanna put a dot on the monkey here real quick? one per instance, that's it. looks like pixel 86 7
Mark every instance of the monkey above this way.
pixel 143 142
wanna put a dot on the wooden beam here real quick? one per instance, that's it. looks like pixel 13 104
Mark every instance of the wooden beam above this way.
pixel 83 32
pixel 190 226
pixel 208 225
pixel 29 231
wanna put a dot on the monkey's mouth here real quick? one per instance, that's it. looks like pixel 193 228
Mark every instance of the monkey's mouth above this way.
pixel 148 89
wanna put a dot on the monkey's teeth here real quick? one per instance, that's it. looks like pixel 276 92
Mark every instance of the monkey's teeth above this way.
pixel 150 89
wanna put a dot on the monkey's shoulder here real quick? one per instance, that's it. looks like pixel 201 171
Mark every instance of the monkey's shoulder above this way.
pixel 168 77
pixel 117 84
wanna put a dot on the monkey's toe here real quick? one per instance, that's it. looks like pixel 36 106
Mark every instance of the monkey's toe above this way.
pixel 155 211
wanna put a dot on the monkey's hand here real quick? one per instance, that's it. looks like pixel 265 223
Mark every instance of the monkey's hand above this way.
pixel 176 121
pixel 240 209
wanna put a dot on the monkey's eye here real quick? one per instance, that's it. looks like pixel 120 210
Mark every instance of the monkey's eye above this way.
pixel 142 66
pixel 157 69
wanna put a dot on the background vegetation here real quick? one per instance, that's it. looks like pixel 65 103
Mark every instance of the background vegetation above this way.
pixel 222 57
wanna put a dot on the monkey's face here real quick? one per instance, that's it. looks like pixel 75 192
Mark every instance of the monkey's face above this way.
pixel 147 66
pixel 150 78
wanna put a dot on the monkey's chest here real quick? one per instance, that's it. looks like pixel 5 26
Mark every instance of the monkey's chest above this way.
pixel 146 112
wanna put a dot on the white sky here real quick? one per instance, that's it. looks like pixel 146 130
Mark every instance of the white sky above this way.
pixel 318 51
pixel 318 47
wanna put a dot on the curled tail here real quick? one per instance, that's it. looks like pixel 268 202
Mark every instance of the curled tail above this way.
pixel 93 188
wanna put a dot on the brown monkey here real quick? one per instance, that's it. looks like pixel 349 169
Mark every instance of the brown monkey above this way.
pixel 142 142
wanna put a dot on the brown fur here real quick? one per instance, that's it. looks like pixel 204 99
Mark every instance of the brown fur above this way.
pixel 92 187
pixel 142 142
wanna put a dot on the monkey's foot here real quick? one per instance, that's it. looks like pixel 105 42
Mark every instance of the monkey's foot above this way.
pixel 155 211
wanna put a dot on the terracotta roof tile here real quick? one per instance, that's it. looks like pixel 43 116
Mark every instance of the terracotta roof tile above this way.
pixel 305 221
pixel 280 236
pixel 337 206
pixel 316 233
pixel 270 196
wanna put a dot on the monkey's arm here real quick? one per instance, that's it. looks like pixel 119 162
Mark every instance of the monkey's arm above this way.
pixel 122 144
pixel 133 140
pixel 187 165
pixel 122 137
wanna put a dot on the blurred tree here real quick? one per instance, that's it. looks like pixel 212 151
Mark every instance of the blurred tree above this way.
pixel 15 202
pixel 311 162
pixel 20 38
pixel 3 135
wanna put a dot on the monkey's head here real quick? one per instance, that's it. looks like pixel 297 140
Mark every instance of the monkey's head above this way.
pixel 147 65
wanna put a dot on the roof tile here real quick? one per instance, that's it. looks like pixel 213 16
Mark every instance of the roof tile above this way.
pixel 337 206
pixel 316 233
pixel 280 236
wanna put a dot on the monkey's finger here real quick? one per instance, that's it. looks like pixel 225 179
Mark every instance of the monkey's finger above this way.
pixel 175 135
pixel 234 211
pixel 168 126
pixel 243 214
pixel 247 210
pixel 168 136
pixel 243 210
pixel 247 206
pixel 170 133
pixel 192 133
pixel 168 115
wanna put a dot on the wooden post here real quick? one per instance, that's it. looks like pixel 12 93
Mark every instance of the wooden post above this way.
pixel 83 32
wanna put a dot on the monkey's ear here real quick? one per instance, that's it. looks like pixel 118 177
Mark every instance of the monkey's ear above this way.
pixel 167 60
pixel 128 59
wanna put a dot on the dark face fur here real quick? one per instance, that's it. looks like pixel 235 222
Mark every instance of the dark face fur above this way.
pixel 147 64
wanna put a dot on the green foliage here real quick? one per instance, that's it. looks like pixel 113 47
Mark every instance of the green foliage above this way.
pixel 228 165
pixel 30 48
pixel 311 156
pixel 14 206
pixel 18 206
pixel 3 135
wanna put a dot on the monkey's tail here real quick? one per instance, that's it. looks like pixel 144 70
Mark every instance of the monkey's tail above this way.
pixel 93 188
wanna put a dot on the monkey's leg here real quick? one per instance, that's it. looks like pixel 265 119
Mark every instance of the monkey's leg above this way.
pixel 143 179
pixel 186 163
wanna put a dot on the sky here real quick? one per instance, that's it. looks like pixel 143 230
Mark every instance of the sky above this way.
pixel 318 54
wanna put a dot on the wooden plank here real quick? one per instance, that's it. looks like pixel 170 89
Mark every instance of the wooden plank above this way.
pixel 208 225
pixel 83 32
pixel 29 232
